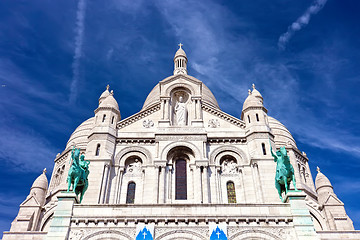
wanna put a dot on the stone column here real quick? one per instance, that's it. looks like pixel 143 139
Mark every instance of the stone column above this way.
pixel 104 184
pixel 60 224
pixel 205 185
pixel 162 185
pixel 302 222
pixel 118 185
pixel 197 184
pixel 156 184
pixel 213 188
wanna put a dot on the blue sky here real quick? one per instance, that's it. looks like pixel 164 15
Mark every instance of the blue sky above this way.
pixel 56 57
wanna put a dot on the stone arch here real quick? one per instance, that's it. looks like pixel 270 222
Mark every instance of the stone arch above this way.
pixel 170 146
pixel 254 234
pixel 180 234
pixel 317 217
pixel 140 152
pixel 108 234
pixel 221 151
pixel 46 219
pixel 184 86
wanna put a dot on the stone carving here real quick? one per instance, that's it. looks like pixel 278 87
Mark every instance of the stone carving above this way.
pixel 76 235
pixel 147 123
pixel 213 123
pixel 229 166
pixel 78 173
pixel 134 167
pixel 284 171
pixel 180 112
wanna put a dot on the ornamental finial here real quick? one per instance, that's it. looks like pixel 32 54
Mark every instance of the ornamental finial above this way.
pixel 249 91
pixel 253 86
pixel 107 87
pixel 318 169
pixel 180 45
pixel 44 171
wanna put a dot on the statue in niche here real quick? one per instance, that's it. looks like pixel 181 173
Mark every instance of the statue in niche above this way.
pixel 180 112
pixel 134 167
pixel 229 166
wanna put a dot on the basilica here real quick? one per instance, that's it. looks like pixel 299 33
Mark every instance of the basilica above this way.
pixel 181 168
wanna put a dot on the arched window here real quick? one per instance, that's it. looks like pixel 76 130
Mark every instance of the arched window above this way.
pixel 112 119
pixel 130 196
pixel 180 180
pixel 249 118
pixel 263 148
pixel 97 152
pixel 257 117
pixel 230 186
pixel 104 118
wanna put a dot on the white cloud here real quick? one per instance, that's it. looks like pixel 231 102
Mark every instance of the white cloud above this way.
pixel 301 22
pixel 79 39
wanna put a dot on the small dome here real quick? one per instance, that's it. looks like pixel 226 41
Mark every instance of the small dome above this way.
pixel 80 136
pixel 321 180
pixel 109 102
pixel 41 182
pixel 281 133
pixel 105 94
pixel 254 99
pixel 180 52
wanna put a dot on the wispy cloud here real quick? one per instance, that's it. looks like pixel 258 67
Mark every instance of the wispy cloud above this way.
pixel 300 23
pixel 79 40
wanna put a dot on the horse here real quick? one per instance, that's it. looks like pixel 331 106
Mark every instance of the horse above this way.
pixel 284 171
pixel 78 173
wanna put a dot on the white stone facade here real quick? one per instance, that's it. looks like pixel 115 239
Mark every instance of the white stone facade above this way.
pixel 190 164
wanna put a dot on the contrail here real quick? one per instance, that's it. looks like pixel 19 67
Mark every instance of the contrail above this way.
pixel 301 22
pixel 80 28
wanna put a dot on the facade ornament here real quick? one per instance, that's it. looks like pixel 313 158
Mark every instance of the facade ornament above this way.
pixel 148 123
pixel 134 167
pixel 229 166
pixel 284 171
pixel 213 123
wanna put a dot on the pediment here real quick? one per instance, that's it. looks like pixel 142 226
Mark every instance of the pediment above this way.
pixel 149 115
pixel 333 200
pixel 30 201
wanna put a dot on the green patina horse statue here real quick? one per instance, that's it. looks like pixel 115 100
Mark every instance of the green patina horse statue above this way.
pixel 284 171
pixel 78 173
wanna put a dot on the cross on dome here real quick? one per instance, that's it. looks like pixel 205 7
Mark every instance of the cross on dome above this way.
pixel 180 45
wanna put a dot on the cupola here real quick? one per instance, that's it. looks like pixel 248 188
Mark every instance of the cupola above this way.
pixel 180 61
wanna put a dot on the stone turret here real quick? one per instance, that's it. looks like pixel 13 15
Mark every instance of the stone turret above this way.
pixel 30 210
pixel 331 205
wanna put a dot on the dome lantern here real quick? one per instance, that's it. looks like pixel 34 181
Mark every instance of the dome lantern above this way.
pixel 180 61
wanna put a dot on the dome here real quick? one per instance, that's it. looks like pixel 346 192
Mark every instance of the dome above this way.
pixel 254 99
pixel 180 52
pixel 154 96
pixel 80 136
pixel 321 180
pixel 109 102
pixel 281 133
pixel 105 94
pixel 41 181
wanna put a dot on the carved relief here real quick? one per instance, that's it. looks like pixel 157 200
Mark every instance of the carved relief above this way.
pixel 213 123
pixel 133 166
pixel 147 123
pixel 229 166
